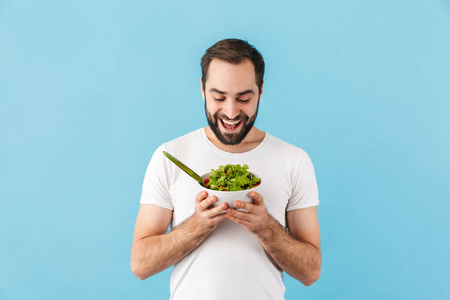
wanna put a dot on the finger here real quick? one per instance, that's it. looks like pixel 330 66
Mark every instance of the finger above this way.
pixel 244 205
pixel 257 198
pixel 231 214
pixel 219 218
pixel 244 216
pixel 201 196
pixel 203 205
pixel 217 210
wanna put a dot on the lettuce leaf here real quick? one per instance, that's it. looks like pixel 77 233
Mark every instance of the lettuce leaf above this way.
pixel 231 178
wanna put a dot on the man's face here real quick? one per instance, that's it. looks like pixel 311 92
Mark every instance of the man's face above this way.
pixel 231 100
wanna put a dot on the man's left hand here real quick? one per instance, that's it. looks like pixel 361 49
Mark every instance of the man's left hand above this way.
pixel 256 219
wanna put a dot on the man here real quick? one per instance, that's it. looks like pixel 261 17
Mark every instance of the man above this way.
pixel 220 252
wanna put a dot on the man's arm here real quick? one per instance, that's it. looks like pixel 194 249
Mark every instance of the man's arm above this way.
pixel 296 252
pixel 154 250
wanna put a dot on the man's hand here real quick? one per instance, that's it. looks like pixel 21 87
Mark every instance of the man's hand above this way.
pixel 256 219
pixel 154 250
pixel 206 214
pixel 296 252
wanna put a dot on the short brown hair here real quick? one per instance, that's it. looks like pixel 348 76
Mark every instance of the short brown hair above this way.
pixel 234 51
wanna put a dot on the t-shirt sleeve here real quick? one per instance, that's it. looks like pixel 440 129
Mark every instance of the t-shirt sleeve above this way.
pixel 304 186
pixel 156 186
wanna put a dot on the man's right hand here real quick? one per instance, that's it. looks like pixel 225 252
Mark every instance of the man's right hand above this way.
pixel 206 214
pixel 154 250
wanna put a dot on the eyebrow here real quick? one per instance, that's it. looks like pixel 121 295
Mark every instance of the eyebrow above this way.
pixel 249 91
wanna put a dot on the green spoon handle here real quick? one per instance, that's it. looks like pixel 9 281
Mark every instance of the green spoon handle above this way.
pixel 184 168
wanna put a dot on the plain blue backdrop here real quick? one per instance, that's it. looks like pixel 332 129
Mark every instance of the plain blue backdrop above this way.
pixel 89 89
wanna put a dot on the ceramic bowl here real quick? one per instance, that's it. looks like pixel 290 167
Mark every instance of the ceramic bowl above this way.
pixel 230 196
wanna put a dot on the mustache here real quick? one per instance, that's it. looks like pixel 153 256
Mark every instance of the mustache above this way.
pixel 240 117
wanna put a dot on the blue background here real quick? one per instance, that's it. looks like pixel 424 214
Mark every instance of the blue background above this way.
pixel 89 89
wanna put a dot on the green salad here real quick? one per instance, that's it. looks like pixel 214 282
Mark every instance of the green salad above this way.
pixel 231 178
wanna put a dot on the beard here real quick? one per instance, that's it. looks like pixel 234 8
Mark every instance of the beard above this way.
pixel 231 138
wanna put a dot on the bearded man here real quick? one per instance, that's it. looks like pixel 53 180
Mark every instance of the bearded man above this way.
pixel 221 251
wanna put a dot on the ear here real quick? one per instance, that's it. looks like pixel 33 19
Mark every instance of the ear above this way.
pixel 202 88
pixel 260 94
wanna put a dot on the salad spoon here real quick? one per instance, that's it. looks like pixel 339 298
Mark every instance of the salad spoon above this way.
pixel 185 168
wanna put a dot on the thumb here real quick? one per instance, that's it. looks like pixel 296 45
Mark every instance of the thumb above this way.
pixel 257 198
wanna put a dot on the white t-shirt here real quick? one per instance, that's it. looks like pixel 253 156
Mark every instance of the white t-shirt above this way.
pixel 230 263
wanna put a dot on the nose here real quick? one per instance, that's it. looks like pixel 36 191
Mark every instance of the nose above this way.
pixel 230 109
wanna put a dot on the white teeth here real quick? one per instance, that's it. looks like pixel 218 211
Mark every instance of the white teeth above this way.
pixel 230 122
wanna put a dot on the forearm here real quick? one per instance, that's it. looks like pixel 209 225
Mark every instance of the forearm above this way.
pixel 153 254
pixel 299 259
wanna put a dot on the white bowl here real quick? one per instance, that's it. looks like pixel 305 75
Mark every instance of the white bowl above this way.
pixel 230 196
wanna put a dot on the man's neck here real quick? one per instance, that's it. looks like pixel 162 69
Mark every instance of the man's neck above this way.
pixel 251 141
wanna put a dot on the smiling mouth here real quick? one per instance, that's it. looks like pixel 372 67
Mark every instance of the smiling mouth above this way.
pixel 229 125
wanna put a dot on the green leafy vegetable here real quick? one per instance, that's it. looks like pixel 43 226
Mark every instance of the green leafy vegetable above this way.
pixel 231 178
